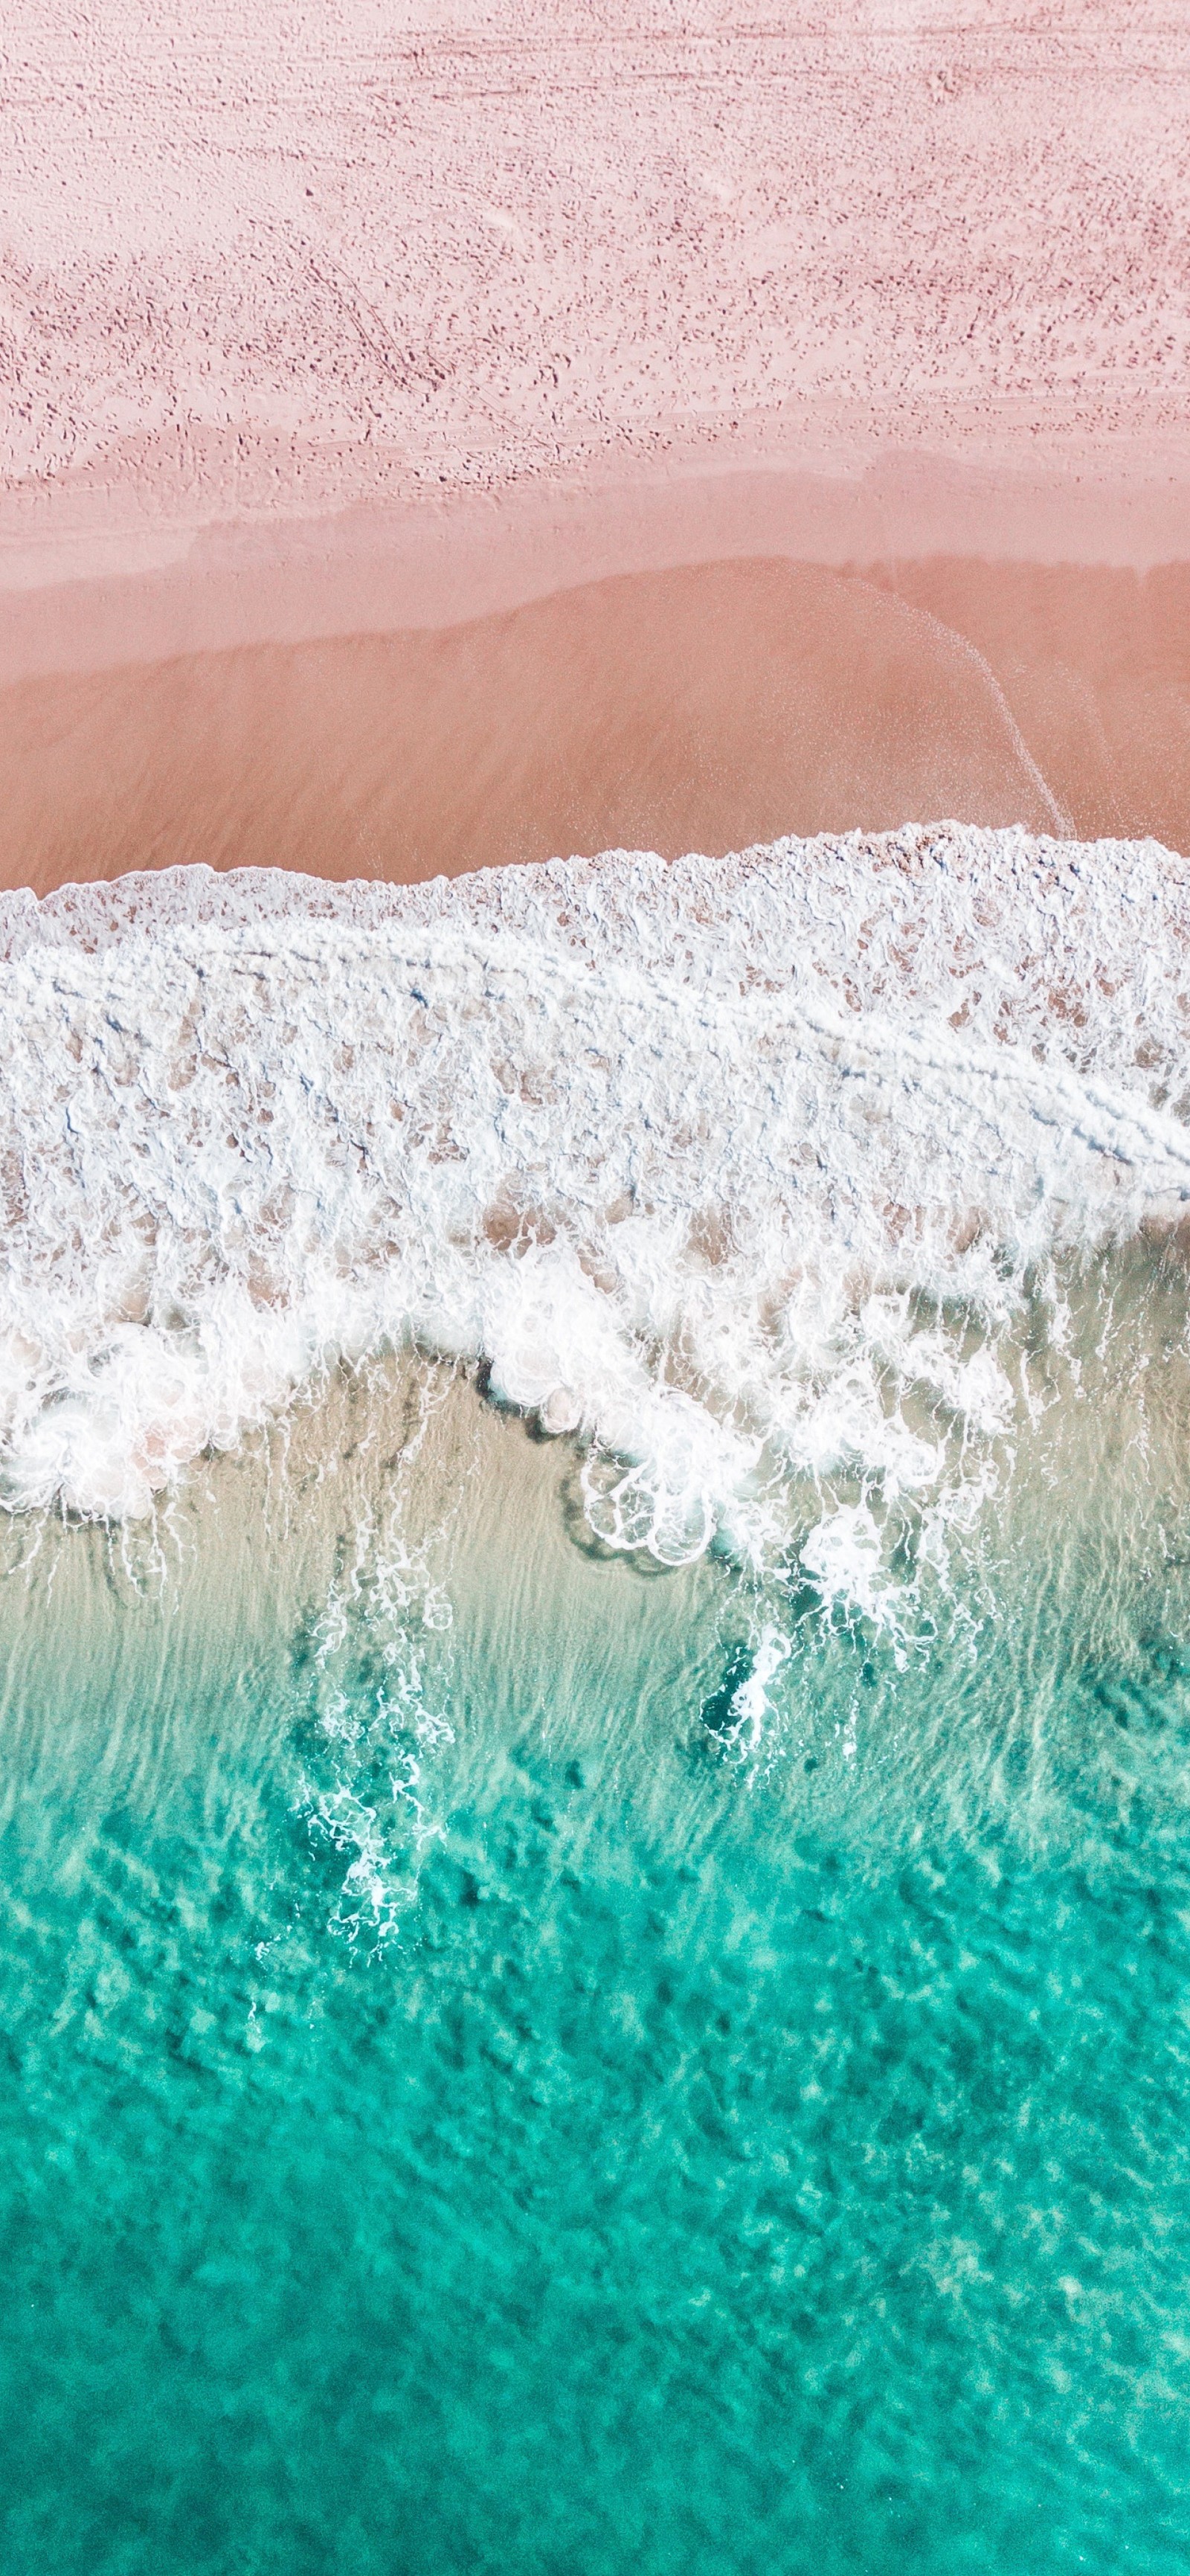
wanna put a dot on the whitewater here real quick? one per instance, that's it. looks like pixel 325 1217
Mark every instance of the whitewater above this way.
pixel 737 1172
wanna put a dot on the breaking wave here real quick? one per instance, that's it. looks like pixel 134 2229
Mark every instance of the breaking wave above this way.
pixel 738 1171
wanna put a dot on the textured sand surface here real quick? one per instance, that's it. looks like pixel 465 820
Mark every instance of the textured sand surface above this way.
pixel 290 254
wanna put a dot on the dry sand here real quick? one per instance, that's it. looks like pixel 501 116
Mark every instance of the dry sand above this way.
pixel 732 426
pixel 295 253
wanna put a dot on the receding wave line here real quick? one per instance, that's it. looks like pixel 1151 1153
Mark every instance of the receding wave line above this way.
pixel 736 1170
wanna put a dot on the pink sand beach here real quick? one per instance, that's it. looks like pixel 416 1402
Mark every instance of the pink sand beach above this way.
pixel 438 437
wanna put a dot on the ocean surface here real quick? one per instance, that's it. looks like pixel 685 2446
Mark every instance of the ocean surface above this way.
pixel 595 1900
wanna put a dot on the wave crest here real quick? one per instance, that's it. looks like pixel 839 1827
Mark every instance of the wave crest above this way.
pixel 733 1169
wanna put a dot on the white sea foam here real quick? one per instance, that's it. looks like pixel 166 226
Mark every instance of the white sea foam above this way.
pixel 734 1169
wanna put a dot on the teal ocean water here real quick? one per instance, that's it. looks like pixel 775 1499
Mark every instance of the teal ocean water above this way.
pixel 463 2107
pixel 587 1990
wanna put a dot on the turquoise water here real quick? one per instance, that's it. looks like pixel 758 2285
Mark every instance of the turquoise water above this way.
pixel 465 2108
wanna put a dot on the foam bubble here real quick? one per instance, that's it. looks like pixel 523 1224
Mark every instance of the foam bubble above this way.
pixel 734 1170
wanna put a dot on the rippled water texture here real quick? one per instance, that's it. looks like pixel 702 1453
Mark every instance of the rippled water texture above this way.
pixel 507 2067
pixel 595 1606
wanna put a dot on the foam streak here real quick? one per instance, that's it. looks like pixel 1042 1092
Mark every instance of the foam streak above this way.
pixel 691 1157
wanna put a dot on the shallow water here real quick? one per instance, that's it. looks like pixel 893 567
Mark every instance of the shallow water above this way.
pixel 480 2090
pixel 615 1999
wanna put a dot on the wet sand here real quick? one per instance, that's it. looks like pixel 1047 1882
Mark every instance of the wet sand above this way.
pixel 703 706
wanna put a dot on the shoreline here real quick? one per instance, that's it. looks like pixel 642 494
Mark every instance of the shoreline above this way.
pixel 98 572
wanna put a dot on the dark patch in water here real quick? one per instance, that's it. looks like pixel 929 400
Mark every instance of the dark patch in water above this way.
pixel 718 1713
